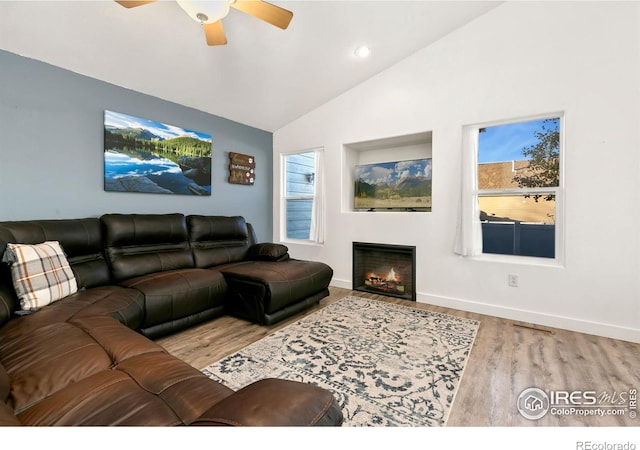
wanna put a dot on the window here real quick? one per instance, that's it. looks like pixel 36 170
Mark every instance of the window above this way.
pixel 303 202
pixel 518 184
pixel 516 190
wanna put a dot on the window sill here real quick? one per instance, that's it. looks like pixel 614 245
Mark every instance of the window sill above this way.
pixel 522 260
pixel 301 242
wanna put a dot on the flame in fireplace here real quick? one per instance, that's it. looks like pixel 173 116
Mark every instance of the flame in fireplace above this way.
pixel 385 283
pixel 391 276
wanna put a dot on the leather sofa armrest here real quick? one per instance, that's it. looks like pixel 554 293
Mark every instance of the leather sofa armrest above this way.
pixel 268 251
pixel 275 402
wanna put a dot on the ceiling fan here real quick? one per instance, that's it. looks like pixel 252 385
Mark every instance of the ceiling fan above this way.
pixel 210 14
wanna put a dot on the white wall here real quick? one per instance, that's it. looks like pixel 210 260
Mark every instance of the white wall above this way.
pixel 520 59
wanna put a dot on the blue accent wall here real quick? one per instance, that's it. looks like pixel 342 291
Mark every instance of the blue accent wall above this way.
pixel 51 150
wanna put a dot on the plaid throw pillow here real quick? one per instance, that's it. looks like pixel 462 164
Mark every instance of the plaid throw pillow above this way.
pixel 41 273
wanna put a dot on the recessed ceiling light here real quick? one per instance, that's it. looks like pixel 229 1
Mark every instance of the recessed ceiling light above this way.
pixel 363 51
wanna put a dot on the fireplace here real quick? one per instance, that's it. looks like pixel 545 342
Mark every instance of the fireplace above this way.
pixel 385 269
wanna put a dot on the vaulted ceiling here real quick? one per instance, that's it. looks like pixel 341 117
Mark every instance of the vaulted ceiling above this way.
pixel 264 77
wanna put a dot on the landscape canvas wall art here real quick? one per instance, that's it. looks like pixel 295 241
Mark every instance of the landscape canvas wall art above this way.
pixel 141 155
pixel 393 186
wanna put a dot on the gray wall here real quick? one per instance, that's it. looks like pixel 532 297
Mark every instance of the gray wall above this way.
pixel 51 150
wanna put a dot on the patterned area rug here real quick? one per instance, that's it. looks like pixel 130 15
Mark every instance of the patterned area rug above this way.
pixel 387 364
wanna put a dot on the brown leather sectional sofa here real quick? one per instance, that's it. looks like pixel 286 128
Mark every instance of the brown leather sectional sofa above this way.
pixel 87 359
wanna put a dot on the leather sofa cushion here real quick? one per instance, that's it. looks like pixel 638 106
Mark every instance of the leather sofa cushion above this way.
pixel 7 419
pixel 218 240
pixel 5 386
pixel 176 294
pixel 124 305
pixel 140 244
pixel 104 374
pixel 48 359
pixel 269 401
pixel 153 389
pixel 81 240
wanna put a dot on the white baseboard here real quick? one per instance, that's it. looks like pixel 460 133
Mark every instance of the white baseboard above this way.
pixel 538 318
pixel 344 284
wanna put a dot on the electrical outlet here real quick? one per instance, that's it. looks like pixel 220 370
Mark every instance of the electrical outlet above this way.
pixel 513 280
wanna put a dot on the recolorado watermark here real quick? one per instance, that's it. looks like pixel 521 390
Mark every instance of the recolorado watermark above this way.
pixel 588 445
pixel 535 403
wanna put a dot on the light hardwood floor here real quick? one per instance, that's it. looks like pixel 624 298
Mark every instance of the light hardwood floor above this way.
pixel 507 357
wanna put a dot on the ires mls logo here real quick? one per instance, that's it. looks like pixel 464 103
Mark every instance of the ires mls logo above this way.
pixel 573 398
pixel 534 403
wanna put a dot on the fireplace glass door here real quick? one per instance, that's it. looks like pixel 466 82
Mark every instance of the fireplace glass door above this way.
pixel 384 269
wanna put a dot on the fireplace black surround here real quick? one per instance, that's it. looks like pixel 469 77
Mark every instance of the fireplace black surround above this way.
pixel 385 269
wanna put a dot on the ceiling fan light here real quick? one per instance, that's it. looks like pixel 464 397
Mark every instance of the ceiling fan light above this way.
pixel 205 11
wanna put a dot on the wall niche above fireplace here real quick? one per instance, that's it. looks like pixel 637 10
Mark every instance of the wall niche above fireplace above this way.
pixel 392 174
pixel 385 269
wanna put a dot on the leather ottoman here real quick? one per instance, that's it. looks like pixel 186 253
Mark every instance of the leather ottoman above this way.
pixel 266 293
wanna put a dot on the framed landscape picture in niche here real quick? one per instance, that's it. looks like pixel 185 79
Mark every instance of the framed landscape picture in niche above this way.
pixel 142 155
pixel 393 186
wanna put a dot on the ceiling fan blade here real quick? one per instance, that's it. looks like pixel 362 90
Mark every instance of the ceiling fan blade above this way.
pixel 133 4
pixel 272 14
pixel 214 33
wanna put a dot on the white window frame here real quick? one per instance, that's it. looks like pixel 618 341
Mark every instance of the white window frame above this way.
pixel 558 191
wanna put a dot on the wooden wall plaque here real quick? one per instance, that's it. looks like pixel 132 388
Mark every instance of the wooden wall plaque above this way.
pixel 242 169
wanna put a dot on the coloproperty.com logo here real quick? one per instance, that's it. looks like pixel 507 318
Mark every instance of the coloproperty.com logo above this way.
pixel 534 403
